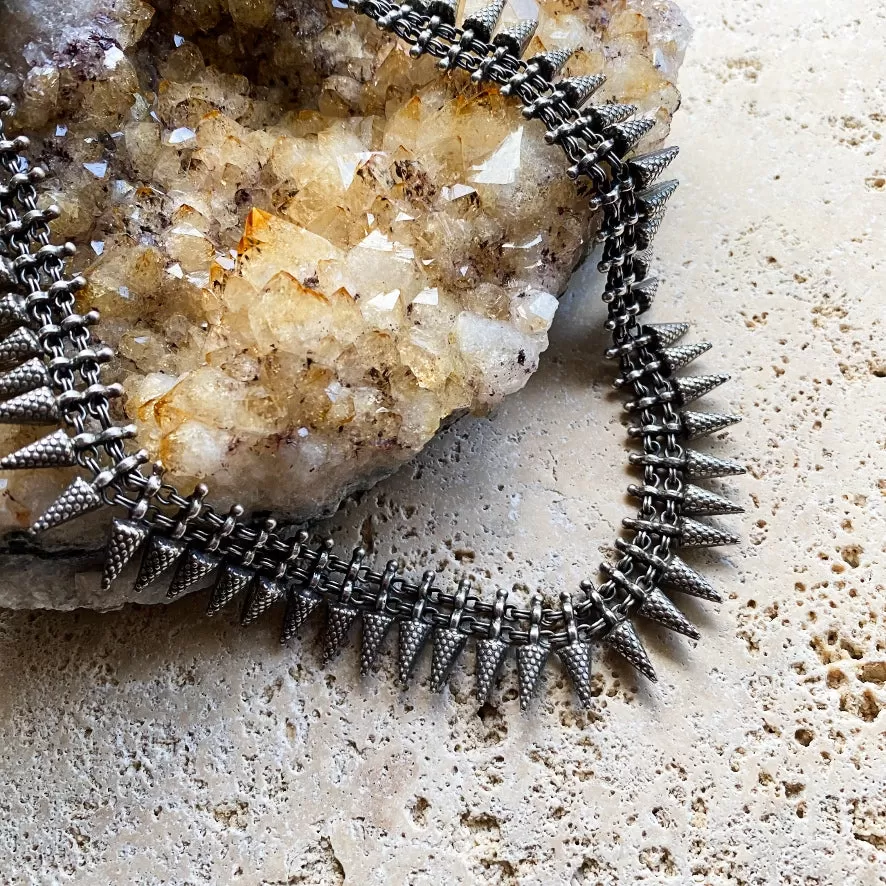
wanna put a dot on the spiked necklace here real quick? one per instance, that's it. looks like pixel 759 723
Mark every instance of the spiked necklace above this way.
pixel 54 377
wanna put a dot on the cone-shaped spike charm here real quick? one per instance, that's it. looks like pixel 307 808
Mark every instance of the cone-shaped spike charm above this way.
pixel 413 634
pixel 531 660
pixel 263 594
pixel 36 407
pixel 194 568
pixel 647 229
pixel 12 312
pixel 579 89
pixel 701 466
pixel 532 656
pixel 682 355
pixel 482 22
pixel 338 622
pixel 624 640
pixel 680 577
pixel 700 424
pixel 693 387
pixel 627 134
pixel 79 498
pixel 666 333
pixel 608 115
pixel 551 63
pixel 517 37
pixel 299 608
pixel 27 377
pixel 648 167
pixel 18 347
pixel 231 582
pixel 659 608
pixel 161 554
pixel 126 538
pixel 655 199
pixel 642 262
pixel 644 292
pixel 694 534
pixel 702 502
pixel 448 645
pixel 576 658
pixel 491 653
pixel 375 628
pixel 53 451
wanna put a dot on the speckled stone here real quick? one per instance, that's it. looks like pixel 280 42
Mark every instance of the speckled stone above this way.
pixel 151 746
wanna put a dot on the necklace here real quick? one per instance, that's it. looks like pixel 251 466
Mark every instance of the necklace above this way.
pixel 54 377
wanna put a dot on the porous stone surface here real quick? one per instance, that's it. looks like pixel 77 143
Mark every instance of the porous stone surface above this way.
pixel 309 250
pixel 152 746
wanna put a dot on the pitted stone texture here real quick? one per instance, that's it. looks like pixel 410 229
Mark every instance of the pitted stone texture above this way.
pixel 152 746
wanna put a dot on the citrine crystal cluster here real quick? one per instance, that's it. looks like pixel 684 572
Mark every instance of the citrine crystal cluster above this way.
pixel 308 249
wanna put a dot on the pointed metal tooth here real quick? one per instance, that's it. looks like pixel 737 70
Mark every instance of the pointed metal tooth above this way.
pixel 647 229
pixel 445 10
pixel 413 634
pixel 648 167
pixel 642 264
pixel 37 407
pixel 682 355
pixel 482 22
pixel 531 660
pixel 702 502
pixel 704 467
pixel 162 553
pixel 579 89
pixel 624 640
pixel 659 608
pixel 517 37
pixel 12 312
pixel 666 333
pixel 551 63
pixel 126 538
pixel 695 386
pixel 645 292
pixel 299 608
pixel 448 645
pixel 375 628
pixel 491 653
pixel 195 567
pixel 232 581
pixel 576 658
pixel 694 534
pixel 680 577
pixel 79 498
pixel 605 116
pixel 19 346
pixel 700 424
pixel 655 199
pixel 28 377
pixel 627 134
pixel 338 622
pixel 263 594
pixel 52 451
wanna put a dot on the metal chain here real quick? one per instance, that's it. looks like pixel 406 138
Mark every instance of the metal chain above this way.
pixel 75 370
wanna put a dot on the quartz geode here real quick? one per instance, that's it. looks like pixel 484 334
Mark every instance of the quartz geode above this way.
pixel 309 250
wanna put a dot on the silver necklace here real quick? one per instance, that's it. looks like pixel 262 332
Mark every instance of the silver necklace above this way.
pixel 54 377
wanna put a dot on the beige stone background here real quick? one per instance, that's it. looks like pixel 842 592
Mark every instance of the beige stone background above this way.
pixel 151 746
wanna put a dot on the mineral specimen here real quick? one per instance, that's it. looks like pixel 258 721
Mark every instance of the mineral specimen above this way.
pixel 309 250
